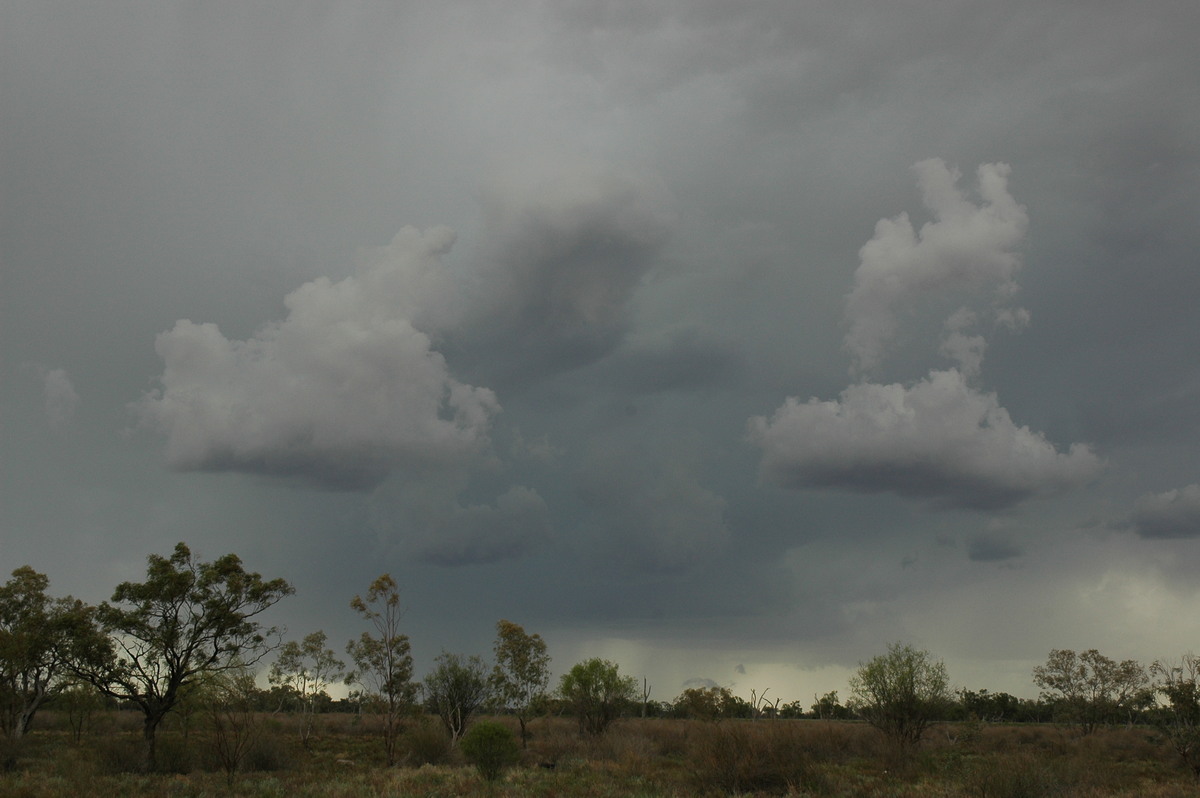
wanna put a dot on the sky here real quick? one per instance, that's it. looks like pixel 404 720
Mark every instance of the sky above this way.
pixel 728 341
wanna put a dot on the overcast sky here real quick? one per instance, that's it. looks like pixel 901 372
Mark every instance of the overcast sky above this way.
pixel 731 341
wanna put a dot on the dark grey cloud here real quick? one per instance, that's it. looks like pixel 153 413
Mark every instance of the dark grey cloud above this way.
pixel 684 360
pixel 661 208
pixel 517 523
pixel 646 513
pixel 992 548
pixel 1171 514
pixel 568 244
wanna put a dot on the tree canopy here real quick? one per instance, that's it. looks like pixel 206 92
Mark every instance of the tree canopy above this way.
pixel 187 619
pixel 595 691
pixel 900 693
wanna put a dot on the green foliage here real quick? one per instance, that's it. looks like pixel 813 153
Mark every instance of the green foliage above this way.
pixel 595 691
pixel 383 660
pixel 40 638
pixel 900 693
pixel 990 706
pixel 828 707
pixel 490 747
pixel 521 675
pixel 188 619
pixel 1179 721
pixel 426 743
pixel 705 703
pixel 455 690
pixel 1089 689
pixel 308 667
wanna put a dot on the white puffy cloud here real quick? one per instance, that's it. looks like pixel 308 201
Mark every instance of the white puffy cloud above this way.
pixel 342 391
pixel 967 248
pixel 60 397
pixel 1171 514
pixel 938 439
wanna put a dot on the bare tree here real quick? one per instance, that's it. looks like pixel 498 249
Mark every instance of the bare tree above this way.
pixel 230 707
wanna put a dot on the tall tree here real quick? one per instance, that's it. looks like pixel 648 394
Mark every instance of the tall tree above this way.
pixel 187 620
pixel 455 690
pixel 595 690
pixel 900 693
pixel 521 675
pixel 1089 689
pixel 382 660
pixel 308 667
pixel 1179 721
pixel 40 637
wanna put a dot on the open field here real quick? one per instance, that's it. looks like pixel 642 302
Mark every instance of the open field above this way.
pixel 653 757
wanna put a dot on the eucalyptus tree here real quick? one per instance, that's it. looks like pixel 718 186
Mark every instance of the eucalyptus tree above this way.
pixel 187 620
pixel 383 664
pixel 521 675
pixel 308 667
pixel 1089 689
pixel 40 638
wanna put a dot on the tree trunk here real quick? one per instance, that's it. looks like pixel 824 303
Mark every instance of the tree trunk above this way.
pixel 149 727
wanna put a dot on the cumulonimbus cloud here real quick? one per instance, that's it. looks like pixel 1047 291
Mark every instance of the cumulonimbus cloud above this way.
pixel 341 392
pixel 568 246
pixel 967 248
pixel 938 439
pixel 1171 514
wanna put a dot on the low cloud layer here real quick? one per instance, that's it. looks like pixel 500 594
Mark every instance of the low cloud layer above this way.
pixel 938 439
pixel 968 248
pixel 341 392
pixel 1172 514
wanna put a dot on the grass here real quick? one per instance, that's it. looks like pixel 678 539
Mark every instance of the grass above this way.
pixel 652 757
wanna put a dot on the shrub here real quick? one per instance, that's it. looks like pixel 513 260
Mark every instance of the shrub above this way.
pixel 120 754
pixel 741 758
pixel 425 743
pixel 267 753
pixel 490 747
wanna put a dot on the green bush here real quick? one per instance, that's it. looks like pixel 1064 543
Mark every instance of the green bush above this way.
pixel 426 743
pixel 490 747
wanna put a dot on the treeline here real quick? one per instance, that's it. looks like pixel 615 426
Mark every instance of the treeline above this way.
pixel 189 637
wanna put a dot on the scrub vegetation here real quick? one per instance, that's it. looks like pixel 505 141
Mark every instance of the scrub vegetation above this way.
pixel 177 689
